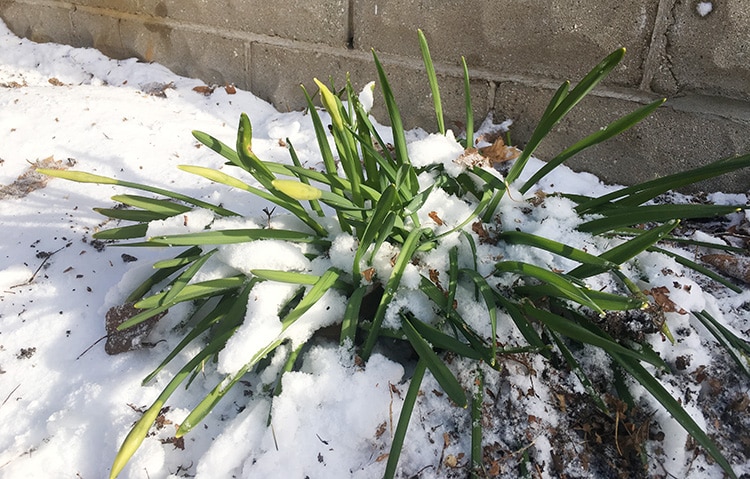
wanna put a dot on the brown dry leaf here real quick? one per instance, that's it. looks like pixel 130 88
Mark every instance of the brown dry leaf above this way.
pixel 204 90
pixel 481 231
pixel 434 217
pixel 661 298
pixel 435 278
pixel 130 338
pixel 230 89
pixel 30 180
pixel 498 152
pixel 55 82
pixel 451 461
pixel 382 457
pixel 381 429
pixel 737 267
pixel 471 157
pixel 368 274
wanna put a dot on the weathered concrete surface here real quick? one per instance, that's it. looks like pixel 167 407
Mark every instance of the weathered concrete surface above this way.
pixel 518 52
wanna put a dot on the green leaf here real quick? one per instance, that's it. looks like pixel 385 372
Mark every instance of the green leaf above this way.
pixel 560 105
pixel 437 367
pixel 219 147
pixel 83 177
pixel 489 301
pixel 562 249
pixel 250 162
pixel 182 281
pixel 640 193
pixel 613 129
pixel 577 332
pixel 375 224
pixel 737 348
pixel 212 287
pixel 397 125
pixel 165 207
pixel 477 452
pixel 565 286
pixel 432 78
pixel 351 316
pixel 652 385
pixel 403 419
pixel 122 232
pixel 232 236
pixel 626 251
pixel 467 106
pixel 404 257
pixel 131 215
pixel 629 216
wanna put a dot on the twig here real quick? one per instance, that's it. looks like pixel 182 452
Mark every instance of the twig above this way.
pixel 9 395
pixel 46 258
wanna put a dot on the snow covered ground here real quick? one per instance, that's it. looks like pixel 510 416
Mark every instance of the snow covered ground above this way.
pixel 64 413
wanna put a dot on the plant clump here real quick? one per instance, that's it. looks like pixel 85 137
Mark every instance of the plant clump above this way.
pixel 466 291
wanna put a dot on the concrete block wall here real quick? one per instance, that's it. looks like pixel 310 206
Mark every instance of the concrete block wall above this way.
pixel 518 53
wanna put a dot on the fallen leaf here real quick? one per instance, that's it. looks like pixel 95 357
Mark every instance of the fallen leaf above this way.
pixel 737 267
pixel 498 152
pixel 230 89
pixel 661 298
pixel 130 338
pixel 55 82
pixel 204 90
pixel 434 217
pixel 30 180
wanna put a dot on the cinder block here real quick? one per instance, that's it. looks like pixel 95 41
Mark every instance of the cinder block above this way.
pixel 673 139
pixel 554 39
pixel 100 32
pixel 39 23
pixel 212 58
pixel 303 20
pixel 277 72
pixel 709 54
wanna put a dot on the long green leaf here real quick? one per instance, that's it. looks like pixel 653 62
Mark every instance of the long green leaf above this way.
pixel 477 452
pixel 579 333
pixel 182 281
pixel 489 301
pixel 563 103
pixel 562 249
pixel 397 125
pixel 640 193
pixel 624 252
pixel 403 420
pixel 566 287
pixel 437 367
pixel 432 78
pixel 166 207
pixel 83 177
pixel 122 232
pixel 467 106
pixel 613 129
pixel 404 258
pixel 232 236
pixel 652 213
pixel 737 348
pixel 131 215
pixel 652 385
pixel 211 287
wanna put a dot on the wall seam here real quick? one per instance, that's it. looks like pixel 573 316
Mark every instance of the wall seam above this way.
pixel 657 46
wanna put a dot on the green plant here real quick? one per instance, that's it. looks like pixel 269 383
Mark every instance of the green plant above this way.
pixel 377 200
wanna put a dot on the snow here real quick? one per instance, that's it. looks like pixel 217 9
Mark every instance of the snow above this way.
pixel 66 408
pixel 704 8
